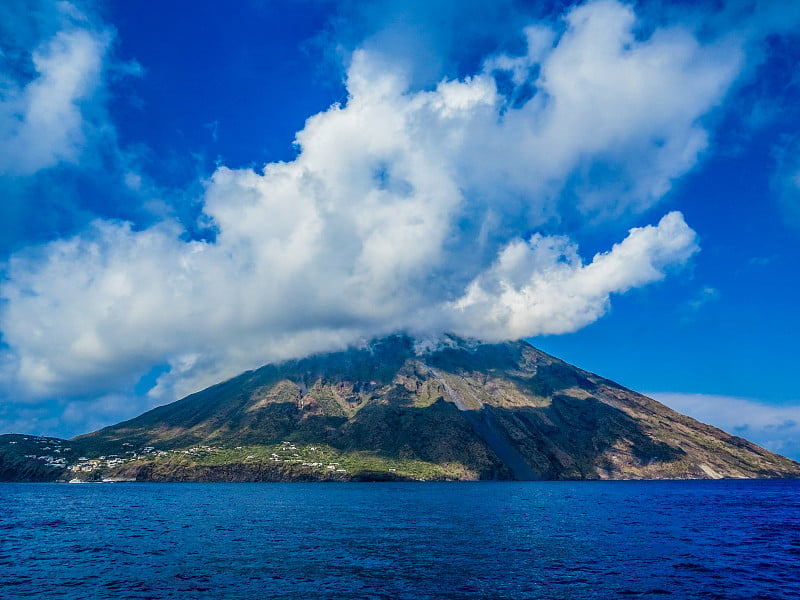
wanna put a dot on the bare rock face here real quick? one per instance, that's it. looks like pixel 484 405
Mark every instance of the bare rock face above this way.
pixel 393 411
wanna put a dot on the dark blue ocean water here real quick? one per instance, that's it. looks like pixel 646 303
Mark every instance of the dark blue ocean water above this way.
pixel 723 539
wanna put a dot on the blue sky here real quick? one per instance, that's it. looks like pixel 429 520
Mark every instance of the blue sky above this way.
pixel 189 191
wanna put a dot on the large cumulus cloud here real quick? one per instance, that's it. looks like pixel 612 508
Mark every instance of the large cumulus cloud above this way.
pixel 443 208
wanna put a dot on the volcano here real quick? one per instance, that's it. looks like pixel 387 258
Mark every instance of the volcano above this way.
pixel 397 409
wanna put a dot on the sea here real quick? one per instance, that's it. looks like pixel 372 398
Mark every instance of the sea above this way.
pixel 671 539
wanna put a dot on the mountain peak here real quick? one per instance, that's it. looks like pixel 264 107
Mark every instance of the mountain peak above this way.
pixel 404 408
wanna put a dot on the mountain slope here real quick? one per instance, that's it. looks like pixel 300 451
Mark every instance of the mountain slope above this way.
pixel 460 411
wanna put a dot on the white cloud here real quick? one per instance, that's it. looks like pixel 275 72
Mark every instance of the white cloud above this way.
pixel 45 120
pixel 703 297
pixel 404 209
pixel 775 427
pixel 542 287
pixel 617 116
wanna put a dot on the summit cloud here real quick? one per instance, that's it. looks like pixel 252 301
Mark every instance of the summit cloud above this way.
pixel 440 208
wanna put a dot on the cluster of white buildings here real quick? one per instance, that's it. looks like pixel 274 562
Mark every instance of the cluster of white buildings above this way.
pixel 295 458
pixel 53 454
pixel 87 465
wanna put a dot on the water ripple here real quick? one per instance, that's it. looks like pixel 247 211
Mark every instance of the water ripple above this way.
pixel 516 540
